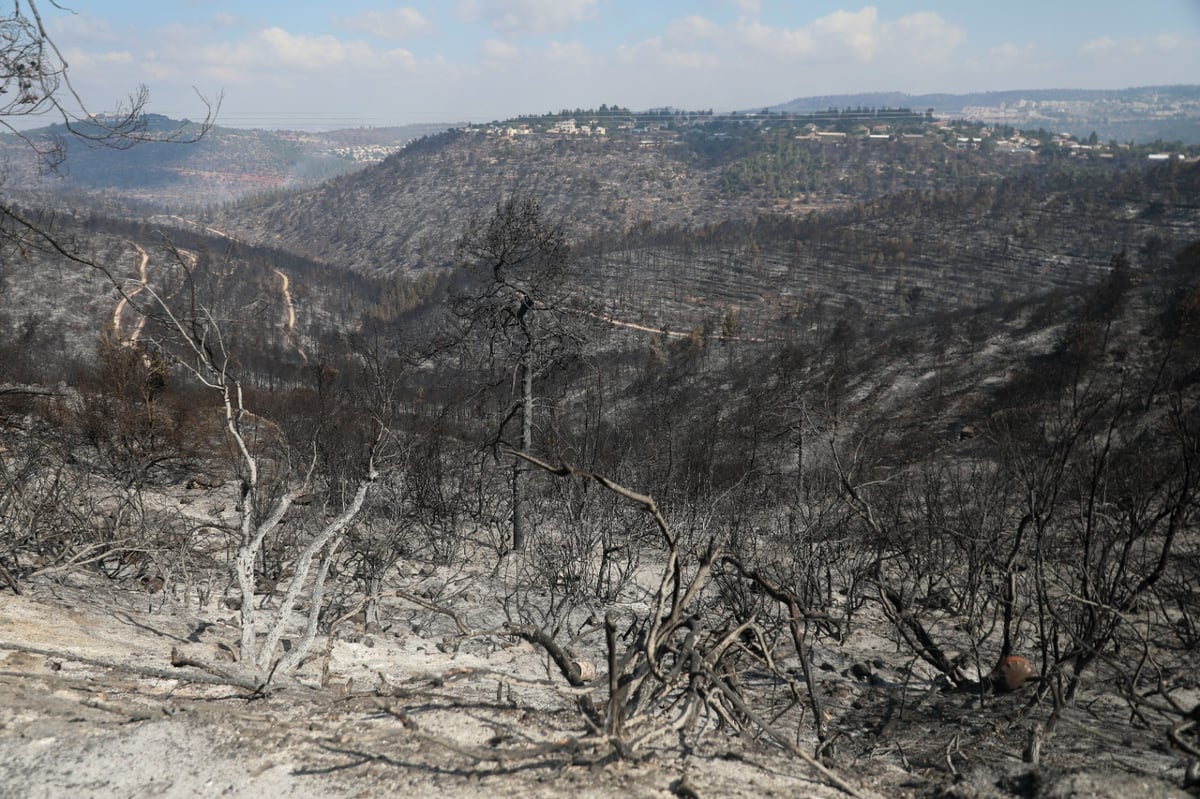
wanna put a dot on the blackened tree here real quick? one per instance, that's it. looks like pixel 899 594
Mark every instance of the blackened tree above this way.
pixel 515 301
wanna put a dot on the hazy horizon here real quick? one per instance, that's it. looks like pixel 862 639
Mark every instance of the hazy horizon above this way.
pixel 372 63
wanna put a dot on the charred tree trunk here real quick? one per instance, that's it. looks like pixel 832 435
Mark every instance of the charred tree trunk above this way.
pixel 519 466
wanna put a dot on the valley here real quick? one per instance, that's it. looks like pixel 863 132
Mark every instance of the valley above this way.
pixel 717 458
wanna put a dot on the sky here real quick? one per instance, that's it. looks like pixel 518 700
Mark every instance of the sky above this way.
pixel 349 63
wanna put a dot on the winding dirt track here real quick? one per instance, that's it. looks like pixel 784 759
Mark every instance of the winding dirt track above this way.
pixel 611 320
pixel 291 314
pixel 116 318
pixel 143 265
pixel 287 300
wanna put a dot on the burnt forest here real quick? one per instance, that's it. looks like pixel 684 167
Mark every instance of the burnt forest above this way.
pixel 851 452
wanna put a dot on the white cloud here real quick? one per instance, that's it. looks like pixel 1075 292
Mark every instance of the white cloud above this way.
pixel 528 17
pixel 842 34
pixel 278 46
pixel 1102 46
pixel 496 50
pixel 80 30
pixel 858 35
pixel 277 55
pixel 755 36
pixel 1010 54
pixel 1108 49
pixel 398 56
pixel 662 58
pixel 857 32
pixel 747 7
pixel 398 23
pixel 746 62
pixel 1168 42
pixel 1007 65
pixel 923 36
pixel 469 10
pixel 573 53
pixel 692 29
pixel 690 59
pixel 85 59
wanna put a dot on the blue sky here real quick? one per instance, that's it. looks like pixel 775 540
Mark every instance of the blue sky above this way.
pixel 299 64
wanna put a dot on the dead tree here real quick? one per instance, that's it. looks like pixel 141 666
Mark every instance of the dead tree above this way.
pixel 197 342
pixel 678 668
pixel 513 301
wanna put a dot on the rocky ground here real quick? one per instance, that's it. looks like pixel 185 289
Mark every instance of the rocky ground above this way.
pixel 90 705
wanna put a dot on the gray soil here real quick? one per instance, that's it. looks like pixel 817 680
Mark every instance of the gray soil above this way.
pixel 91 706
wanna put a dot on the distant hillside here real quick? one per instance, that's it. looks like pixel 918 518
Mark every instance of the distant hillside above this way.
pixel 682 230
pixel 405 213
pixel 48 301
pixel 1141 114
pixel 226 164
pixel 230 163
